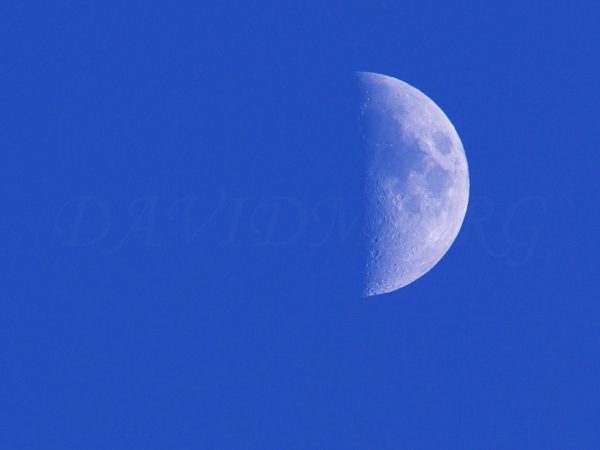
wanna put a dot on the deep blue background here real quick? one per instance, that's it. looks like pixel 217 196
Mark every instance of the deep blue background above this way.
pixel 175 270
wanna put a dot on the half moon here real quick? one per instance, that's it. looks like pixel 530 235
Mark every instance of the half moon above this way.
pixel 417 182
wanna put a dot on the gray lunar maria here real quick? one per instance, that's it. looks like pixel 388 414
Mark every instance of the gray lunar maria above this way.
pixel 417 182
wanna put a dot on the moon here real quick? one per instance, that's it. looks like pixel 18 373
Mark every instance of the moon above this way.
pixel 417 182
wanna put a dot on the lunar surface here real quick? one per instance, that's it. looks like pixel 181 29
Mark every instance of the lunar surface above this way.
pixel 417 182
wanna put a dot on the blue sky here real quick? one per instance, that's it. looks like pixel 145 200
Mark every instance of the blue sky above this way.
pixel 180 189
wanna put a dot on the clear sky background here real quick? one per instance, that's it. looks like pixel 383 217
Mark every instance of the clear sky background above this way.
pixel 178 187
